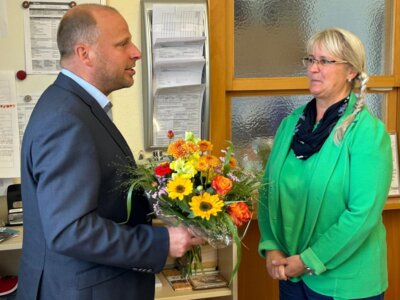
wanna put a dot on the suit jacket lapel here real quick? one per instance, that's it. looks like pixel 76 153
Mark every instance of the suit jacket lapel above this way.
pixel 112 129
pixel 70 85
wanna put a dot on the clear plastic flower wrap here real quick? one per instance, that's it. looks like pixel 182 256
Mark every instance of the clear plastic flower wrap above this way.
pixel 218 237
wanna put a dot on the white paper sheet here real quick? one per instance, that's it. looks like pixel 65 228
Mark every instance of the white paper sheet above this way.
pixel 7 87
pixel 25 105
pixel 177 21
pixel 174 73
pixel 185 48
pixel 9 141
pixel 178 109
pixel 41 21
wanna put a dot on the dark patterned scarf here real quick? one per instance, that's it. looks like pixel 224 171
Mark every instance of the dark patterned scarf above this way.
pixel 307 140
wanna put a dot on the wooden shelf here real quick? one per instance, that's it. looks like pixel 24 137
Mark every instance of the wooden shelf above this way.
pixel 167 293
pixel 13 243
pixel 162 293
pixel 392 203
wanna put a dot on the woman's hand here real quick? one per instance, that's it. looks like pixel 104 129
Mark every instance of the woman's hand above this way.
pixel 294 266
pixel 276 262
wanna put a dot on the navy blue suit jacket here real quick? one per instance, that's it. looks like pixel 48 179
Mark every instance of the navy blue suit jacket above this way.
pixel 73 247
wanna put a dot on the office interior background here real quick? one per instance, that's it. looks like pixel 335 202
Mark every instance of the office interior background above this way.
pixel 256 79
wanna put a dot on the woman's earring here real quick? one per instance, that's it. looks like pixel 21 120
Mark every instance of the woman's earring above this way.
pixel 349 79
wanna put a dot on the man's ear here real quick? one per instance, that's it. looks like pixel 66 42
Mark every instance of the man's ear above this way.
pixel 83 52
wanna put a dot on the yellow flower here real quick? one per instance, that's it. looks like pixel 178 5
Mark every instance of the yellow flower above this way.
pixel 179 187
pixel 202 165
pixel 190 137
pixel 212 160
pixel 183 169
pixel 206 205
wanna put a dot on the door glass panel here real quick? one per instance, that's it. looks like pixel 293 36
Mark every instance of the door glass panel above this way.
pixel 256 119
pixel 270 35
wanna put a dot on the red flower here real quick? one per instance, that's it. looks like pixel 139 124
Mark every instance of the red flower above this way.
pixel 170 134
pixel 162 169
pixel 221 185
pixel 239 212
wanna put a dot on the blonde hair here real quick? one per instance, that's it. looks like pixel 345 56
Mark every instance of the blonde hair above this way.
pixel 346 46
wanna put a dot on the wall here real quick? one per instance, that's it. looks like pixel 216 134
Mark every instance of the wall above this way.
pixel 127 103
pixel 127 109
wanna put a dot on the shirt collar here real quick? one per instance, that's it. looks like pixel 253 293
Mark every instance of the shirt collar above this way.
pixel 92 90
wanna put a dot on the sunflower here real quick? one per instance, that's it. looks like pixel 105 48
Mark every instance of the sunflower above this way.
pixel 206 205
pixel 179 187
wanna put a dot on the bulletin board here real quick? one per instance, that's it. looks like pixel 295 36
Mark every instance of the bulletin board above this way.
pixel 175 68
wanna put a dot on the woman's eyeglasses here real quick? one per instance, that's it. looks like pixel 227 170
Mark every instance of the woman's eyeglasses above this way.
pixel 309 61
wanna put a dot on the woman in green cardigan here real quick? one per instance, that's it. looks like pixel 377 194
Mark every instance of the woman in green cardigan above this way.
pixel 327 180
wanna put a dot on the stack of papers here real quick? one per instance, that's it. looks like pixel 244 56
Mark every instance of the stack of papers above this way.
pixel 178 33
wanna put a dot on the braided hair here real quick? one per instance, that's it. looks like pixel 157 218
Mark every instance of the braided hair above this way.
pixel 348 47
pixel 341 129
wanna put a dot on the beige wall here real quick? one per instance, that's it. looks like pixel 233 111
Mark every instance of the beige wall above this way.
pixel 127 103
pixel 127 109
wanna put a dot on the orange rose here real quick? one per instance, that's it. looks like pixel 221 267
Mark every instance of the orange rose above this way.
pixel 239 212
pixel 221 185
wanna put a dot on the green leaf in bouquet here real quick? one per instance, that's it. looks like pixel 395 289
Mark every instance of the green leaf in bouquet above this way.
pixel 183 206
pixel 226 167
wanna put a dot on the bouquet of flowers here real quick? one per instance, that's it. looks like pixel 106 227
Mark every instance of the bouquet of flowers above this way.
pixel 210 195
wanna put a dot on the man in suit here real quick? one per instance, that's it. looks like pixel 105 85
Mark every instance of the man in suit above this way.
pixel 78 241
